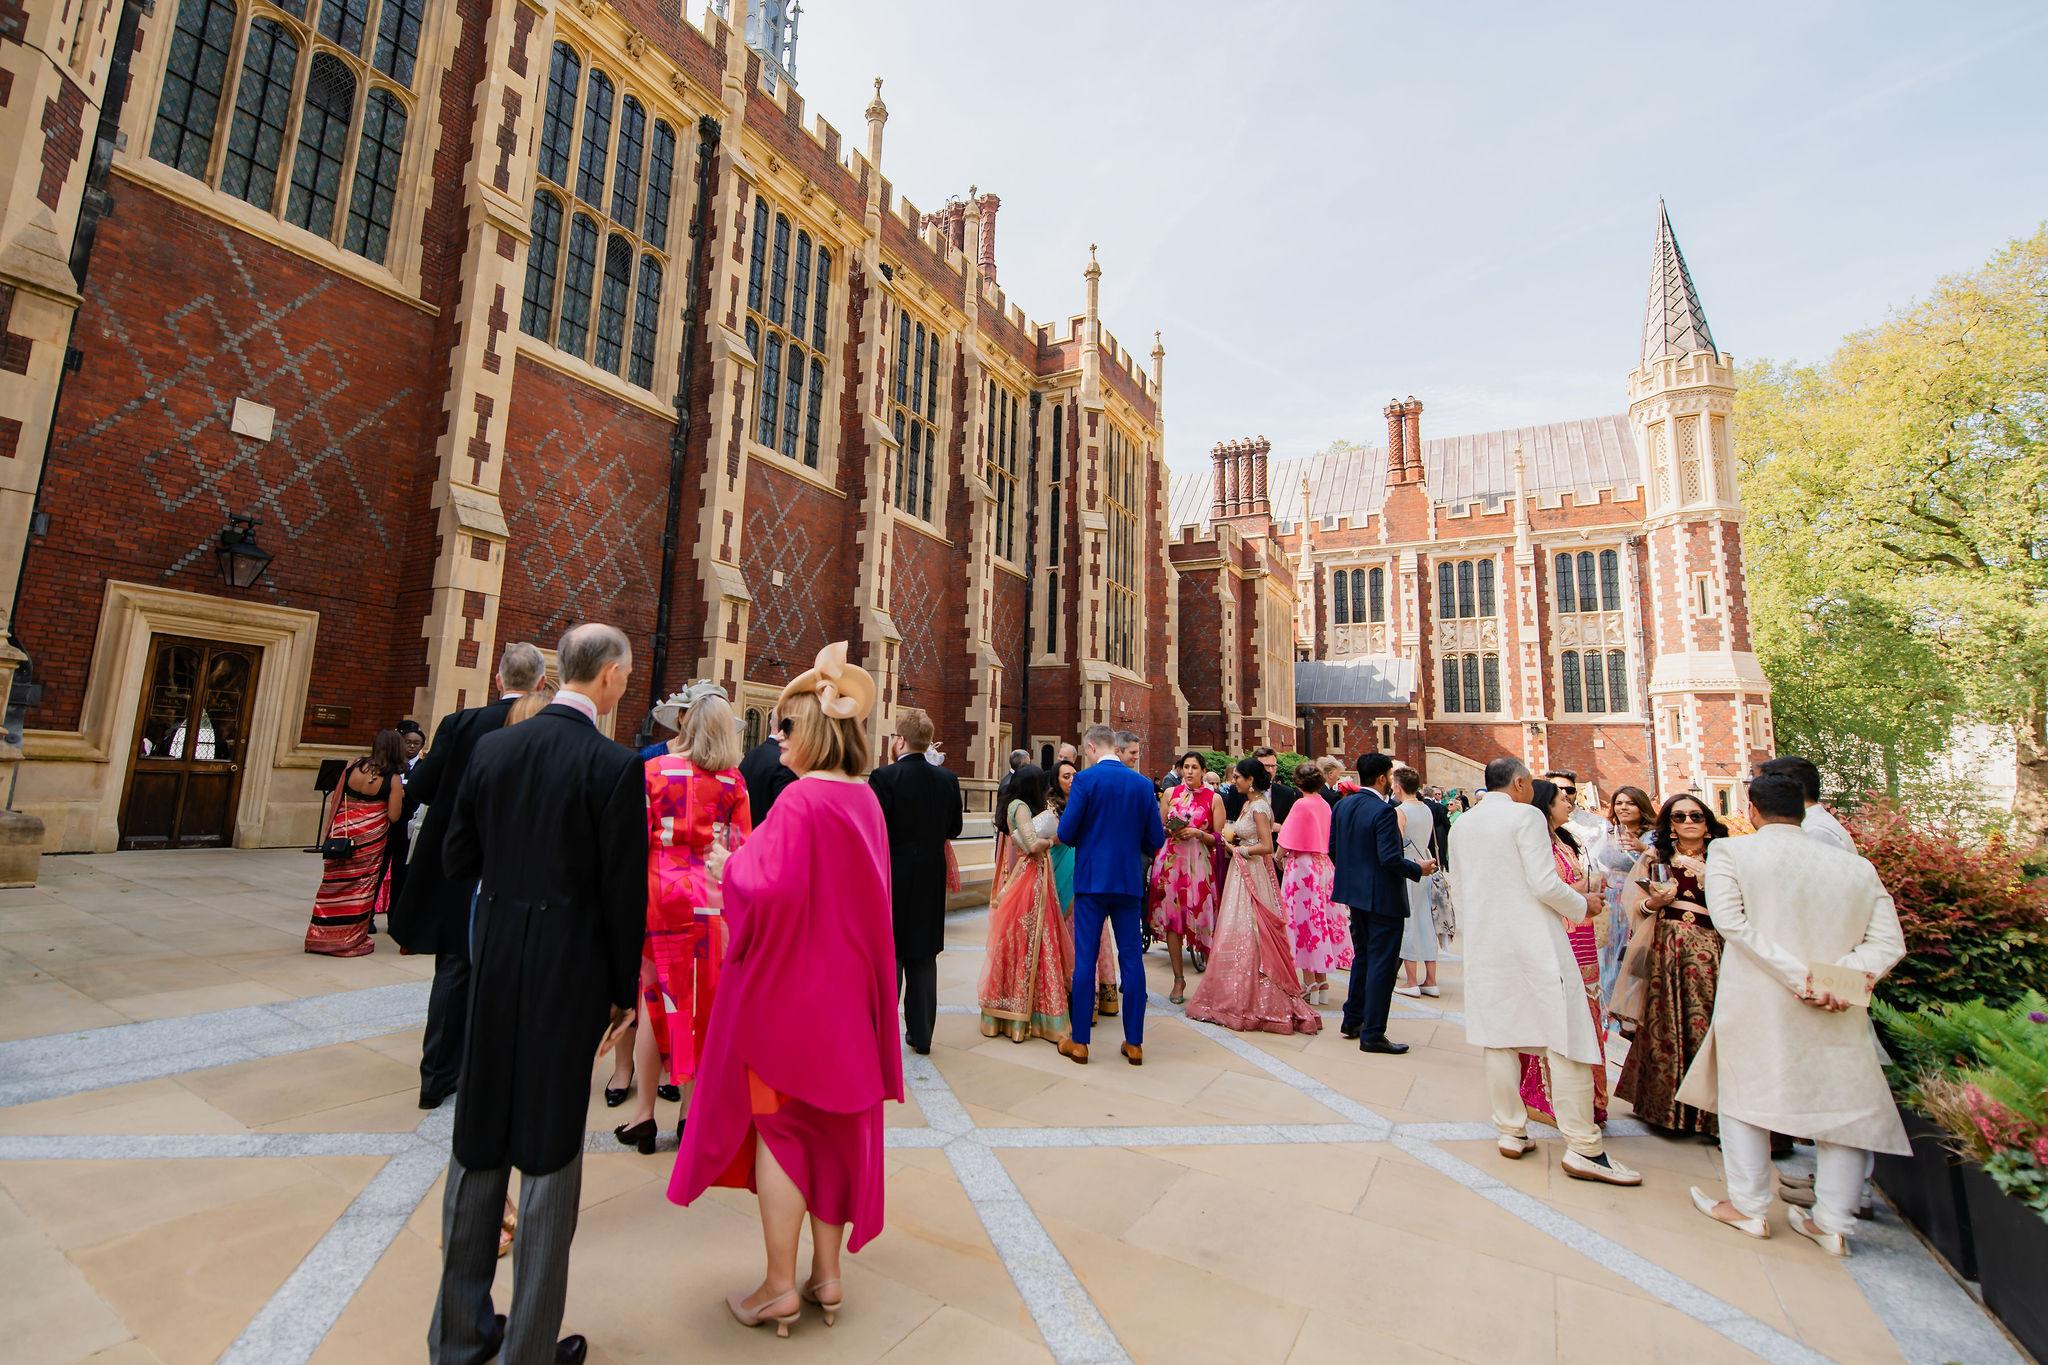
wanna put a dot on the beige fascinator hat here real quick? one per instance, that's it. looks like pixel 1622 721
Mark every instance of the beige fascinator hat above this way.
pixel 845 691
pixel 669 713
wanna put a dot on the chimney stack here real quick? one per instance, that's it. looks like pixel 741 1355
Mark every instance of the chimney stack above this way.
pixel 1397 464
pixel 989 205
pixel 1216 503
pixel 1256 451
pixel 1411 445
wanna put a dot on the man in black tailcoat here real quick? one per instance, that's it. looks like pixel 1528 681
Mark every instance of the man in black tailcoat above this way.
pixel 431 914
pixel 551 821
pixel 921 807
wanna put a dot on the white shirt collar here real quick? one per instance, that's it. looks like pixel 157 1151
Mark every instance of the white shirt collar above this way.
pixel 1110 758
pixel 578 702
pixel 512 696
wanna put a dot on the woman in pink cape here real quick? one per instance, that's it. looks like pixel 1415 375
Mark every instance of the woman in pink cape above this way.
pixel 788 1101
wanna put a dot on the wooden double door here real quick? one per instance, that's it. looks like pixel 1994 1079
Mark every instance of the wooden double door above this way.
pixel 191 735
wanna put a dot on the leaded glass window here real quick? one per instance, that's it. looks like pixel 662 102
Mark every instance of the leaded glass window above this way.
pixel 1610 581
pixel 1567 594
pixel 263 110
pixel 1617 680
pixel 1341 582
pixel 613 299
pixel 646 322
pixel 786 321
pixel 1486 589
pixel 1574 697
pixel 1589 599
pixel 1490 676
pixel 577 281
pixel 377 158
pixel 607 312
pixel 1003 438
pixel 1376 596
pixel 323 144
pixel 1465 590
pixel 537 308
pixel 1596 684
pixel 350 108
pixel 597 136
pixel 1446 591
pixel 1470 664
pixel 1450 689
pixel 194 76
pixel 1124 485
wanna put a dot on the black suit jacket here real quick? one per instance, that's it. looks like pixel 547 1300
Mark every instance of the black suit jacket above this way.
pixel 552 819
pixel 1281 796
pixel 765 775
pixel 921 807
pixel 1365 844
pixel 1440 816
pixel 432 912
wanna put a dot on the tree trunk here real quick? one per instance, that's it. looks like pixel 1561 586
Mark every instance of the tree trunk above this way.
pixel 2030 794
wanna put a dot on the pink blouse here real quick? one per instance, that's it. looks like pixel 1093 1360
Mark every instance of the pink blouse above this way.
pixel 1307 827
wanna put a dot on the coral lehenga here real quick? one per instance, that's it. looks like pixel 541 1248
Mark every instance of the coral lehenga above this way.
pixel 1181 897
pixel 1030 962
pixel 1586 952
pixel 1252 984
pixel 687 808
pixel 355 888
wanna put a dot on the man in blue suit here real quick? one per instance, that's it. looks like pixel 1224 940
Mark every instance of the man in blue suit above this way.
pixel 1365 844
pixel 1112 824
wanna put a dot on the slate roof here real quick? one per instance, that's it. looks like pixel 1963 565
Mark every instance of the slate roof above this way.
pixel 1581 457
pixel 1673 321
pixel 1376 680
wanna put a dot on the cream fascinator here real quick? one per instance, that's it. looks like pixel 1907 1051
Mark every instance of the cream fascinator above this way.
pixel 845 691
pixel 669 713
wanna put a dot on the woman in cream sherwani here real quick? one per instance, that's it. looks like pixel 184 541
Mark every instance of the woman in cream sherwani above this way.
pixel 1523 989
pixel 1784 1055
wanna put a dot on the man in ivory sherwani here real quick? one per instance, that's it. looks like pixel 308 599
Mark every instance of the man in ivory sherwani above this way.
pixel 1523 989
pixel 1783 1054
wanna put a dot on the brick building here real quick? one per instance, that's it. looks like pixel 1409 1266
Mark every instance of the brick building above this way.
pixel 1572 593
pixel 496 315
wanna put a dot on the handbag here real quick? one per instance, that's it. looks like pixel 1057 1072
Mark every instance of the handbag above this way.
pixel 336 848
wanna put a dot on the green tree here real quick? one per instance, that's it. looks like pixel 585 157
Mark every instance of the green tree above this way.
pixel 1898 540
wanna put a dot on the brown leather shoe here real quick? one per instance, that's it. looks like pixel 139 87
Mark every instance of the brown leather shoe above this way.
pixel 1077 1051
pixel 1134 1054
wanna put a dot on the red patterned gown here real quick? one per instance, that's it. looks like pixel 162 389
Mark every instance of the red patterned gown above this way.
pixel 687 808
pixel 1182 895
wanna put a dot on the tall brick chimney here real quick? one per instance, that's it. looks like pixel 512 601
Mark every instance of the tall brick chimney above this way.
pixel 1256 451
pixel 1240 469
pixel 1411 445
pixel 1397 464
pixel 1217 503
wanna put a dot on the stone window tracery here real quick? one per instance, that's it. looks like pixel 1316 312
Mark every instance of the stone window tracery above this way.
pixel 1003 437
pixel 595 267
pixel 1124 487
pixel 1595 682
pixel 916 415
pixel 328 161
pixel 789 291
pixel 1471 684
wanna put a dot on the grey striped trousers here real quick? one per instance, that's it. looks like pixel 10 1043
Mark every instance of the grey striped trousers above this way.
pixel 463 1332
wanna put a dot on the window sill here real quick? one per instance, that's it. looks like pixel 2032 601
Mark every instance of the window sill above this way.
pixel 790 465
pixel 532 347
pixel 200 197
pixel 917 523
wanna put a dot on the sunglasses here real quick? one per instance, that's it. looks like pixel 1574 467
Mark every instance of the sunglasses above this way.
pixel 1569 791
pixel 785 727
pixel 1688 817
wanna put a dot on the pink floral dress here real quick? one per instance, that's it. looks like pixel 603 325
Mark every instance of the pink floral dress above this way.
pixel 1321 938
pixel 1183 888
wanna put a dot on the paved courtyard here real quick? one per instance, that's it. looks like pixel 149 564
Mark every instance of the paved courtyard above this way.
pixel 210 1148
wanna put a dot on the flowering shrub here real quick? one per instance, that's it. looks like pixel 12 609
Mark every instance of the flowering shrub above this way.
pixel 1975 926
pixel 1981 1074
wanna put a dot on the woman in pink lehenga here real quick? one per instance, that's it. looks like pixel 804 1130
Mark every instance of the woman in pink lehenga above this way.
pixel 1321 938
pixel 1251 984
pixel 1029 968
pixel 1182 895
pixel 1584 937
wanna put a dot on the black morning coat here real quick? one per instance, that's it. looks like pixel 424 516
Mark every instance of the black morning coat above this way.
pixel 921 807
pixel 432 901
pixel 553 819
pixel 765 775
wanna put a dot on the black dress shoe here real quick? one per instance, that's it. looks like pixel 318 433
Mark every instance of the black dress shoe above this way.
pixel 1347 1031
pixel 570 1350
pixel 672 1093
pixel 494 1340
pixel 640 1135
pixel 432 1099
pixel 1381 1043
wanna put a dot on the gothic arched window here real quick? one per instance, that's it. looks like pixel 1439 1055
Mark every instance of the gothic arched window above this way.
pixel 1465 604
pixel 1490 670
pixel 1617 680
pixel 1450 698
pixel 323 144
pixel 1340 583
pixel 1588 597
pixel 1376 595
pixel 1610 581
pixel 1567 595
pixel 1486 591
pixel 1446 594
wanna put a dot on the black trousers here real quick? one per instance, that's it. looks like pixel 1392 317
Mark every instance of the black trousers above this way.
pixel 918 979
pixel 1375 958
pixel 447 1022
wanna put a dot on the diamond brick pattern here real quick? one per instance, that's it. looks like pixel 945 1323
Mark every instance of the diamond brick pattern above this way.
pixel 792 528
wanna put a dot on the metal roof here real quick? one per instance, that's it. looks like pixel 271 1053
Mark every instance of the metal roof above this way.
pixel 1580 457
pixel 1673 321
pixel 1375 680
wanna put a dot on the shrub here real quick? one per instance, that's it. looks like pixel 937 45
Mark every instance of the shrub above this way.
pixel 1981 1074
pixel 1975 927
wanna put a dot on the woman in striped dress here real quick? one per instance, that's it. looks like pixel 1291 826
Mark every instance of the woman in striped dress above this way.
pixel 357 884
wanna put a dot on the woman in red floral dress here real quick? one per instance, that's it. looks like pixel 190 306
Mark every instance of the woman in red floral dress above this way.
pixel 1183 890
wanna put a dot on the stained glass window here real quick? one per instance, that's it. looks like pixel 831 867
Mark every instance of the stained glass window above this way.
pixel 398 38
pixel 376 187
pixel 323 144
pixel 538 306
pixel 646 322
pixel 344 22
pixel 576 284
pixel 565 74
pixel 626 162
pixel 263 109
pixel 661 170
pixel 597 137
pixel 613 298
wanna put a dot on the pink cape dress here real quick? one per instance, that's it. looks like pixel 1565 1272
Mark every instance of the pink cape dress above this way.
pixel 804 1043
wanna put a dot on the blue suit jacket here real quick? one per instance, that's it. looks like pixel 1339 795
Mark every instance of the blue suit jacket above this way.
pixel 1112 824
pixel 1365 844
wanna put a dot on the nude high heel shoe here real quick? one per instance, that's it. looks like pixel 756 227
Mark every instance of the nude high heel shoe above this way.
pixel 754 1317
pixel 814 1292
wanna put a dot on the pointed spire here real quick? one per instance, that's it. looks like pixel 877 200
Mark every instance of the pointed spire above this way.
pixel 1673 321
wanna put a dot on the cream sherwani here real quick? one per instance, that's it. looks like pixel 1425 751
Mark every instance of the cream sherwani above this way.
pixel 1523 989
pixel 1781 901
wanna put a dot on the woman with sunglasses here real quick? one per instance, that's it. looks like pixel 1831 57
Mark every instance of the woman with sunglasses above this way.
pixel 1672 967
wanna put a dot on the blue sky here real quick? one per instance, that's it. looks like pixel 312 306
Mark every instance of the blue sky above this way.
pixel 1323 206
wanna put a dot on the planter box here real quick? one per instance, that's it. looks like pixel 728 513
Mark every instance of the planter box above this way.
pixel 2012 1258
pixel 1927 1187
